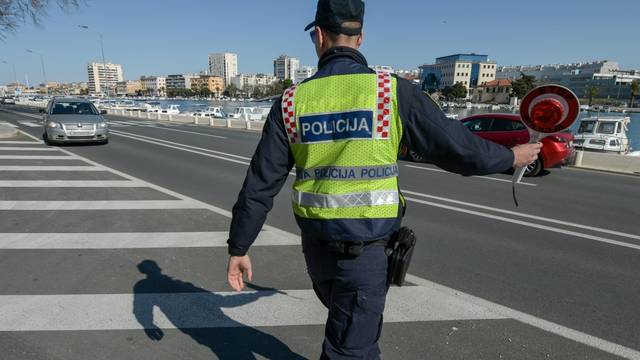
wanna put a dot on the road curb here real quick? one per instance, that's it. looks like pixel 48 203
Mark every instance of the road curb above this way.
pixel 612 172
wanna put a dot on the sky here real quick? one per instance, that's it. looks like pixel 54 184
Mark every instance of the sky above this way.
pixel 153 37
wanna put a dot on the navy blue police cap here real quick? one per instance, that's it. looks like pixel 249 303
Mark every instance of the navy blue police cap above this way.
pixel 332 14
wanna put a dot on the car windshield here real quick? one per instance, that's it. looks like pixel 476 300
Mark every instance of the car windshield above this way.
pixel 607 128
pixel 73 108
pixel 586 127
pixel 480 124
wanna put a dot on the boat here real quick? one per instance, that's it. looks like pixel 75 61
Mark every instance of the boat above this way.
pixel 211 112
pixel 603 134
pixel 248 114
pixel 127 105
pixel 171 110
pixel 152 107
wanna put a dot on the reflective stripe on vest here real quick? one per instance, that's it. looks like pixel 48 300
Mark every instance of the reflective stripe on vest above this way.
pixel 345 173
pixel 324 201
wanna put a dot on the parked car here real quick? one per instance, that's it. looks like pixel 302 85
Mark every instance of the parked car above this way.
pixel 73 120
pixel 508 130
pixel 8 101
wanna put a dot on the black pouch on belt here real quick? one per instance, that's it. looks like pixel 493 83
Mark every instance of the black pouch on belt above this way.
pixel 400 251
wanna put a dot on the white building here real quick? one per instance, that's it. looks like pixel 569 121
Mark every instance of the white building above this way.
pixel 470 70
pixel 179 81
pixel 103 78
pixel 154 85
pixel 304 73
pixel 579 77
pixel 285 67
pixel 383 68
pixel 557 73
pixel 224 65
pixel 243 81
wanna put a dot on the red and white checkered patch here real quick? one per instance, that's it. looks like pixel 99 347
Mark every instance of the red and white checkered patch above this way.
pixel 289 114
pixel 383 114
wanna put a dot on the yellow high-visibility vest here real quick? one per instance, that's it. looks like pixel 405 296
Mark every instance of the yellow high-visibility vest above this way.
pixel 344 132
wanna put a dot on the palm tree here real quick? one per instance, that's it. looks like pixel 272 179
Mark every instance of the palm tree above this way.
pixel 592 92
pixel 635 90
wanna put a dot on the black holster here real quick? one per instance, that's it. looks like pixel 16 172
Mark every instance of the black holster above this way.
pixel 400 251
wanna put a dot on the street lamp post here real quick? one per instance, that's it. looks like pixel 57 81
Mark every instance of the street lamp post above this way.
pixel 15 76
pixel 104 61
pixel 44 73
pixel 86 27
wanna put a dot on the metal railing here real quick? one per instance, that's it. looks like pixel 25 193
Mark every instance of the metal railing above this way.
pixel 190 119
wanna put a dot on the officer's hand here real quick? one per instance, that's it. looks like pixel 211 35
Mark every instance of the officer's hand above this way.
pixel 238 267
pixel 525 154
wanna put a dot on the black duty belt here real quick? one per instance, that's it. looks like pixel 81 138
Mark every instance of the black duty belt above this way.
pixel 352 248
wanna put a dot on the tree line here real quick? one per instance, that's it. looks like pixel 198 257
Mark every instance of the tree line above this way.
pixel 260 91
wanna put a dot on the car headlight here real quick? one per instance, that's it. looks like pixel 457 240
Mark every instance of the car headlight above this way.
pixel 53 125
pixel 102 125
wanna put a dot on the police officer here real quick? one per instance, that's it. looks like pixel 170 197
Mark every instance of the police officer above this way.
pixel 342 130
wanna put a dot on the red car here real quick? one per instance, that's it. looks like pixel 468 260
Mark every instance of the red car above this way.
pixel 508 130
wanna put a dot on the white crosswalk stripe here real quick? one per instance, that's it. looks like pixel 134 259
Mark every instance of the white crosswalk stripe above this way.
pixel 70 183
pixel 266 308
pixel 35 157
pixel 49 168
pixel 6 123
pixel 30 124
pixel 133 240
pixel 98 205
pixel 8 148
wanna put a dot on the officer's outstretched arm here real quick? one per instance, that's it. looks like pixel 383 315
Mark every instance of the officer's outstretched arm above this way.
pixel 446 142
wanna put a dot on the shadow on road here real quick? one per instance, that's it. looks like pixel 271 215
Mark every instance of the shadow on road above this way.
pixel 234 341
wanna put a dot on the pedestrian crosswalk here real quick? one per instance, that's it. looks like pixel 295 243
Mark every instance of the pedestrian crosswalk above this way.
pixel 88 252
pixel 30 124
pixel 61 226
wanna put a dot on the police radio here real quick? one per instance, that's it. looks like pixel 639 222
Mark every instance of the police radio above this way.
pixel 546 110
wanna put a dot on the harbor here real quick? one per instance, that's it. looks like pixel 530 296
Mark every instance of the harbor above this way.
pixel 247 110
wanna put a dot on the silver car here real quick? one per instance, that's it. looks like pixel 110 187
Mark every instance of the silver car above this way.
pixel 74 120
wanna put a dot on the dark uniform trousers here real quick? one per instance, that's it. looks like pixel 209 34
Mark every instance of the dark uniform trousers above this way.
pixel 354 290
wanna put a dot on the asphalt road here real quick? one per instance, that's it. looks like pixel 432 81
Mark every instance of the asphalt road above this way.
pixel 556 278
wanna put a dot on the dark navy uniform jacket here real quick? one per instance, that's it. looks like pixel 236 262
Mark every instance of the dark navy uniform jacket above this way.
pixel 427 132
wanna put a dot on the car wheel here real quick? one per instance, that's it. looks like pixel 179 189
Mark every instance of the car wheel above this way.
pixel 534 168
pixel 104 142
pixel 46 140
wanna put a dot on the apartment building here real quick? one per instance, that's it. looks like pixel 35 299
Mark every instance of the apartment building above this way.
pixel 103 78
pixel 224 65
